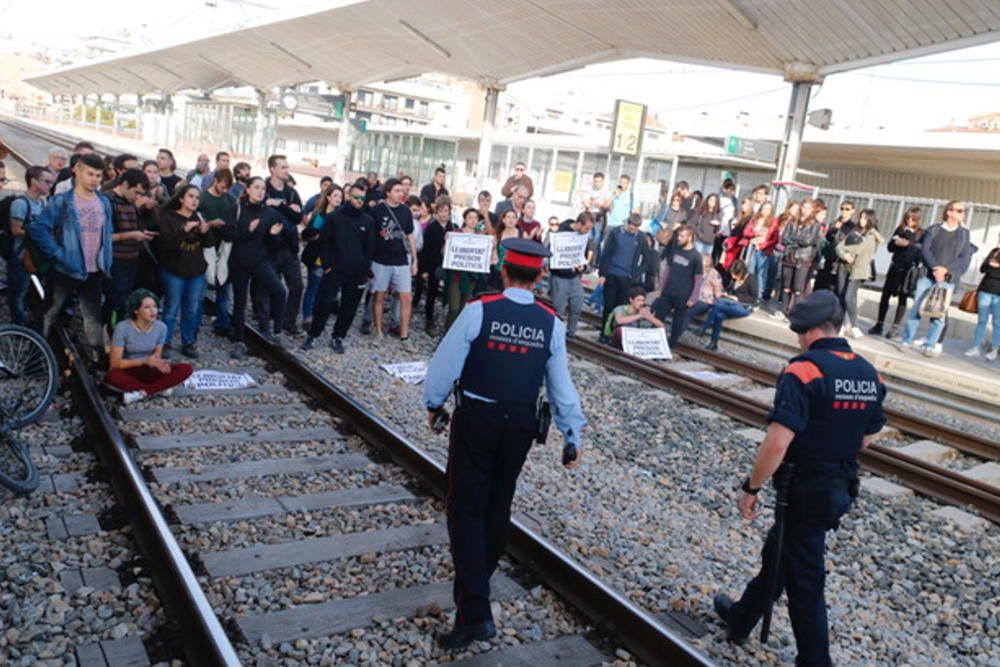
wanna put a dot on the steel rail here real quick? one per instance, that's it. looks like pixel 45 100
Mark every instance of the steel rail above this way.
pixel 904 423
pixel 924 477
pixel 642 634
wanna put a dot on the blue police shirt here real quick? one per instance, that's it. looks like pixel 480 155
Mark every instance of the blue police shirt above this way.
pixel 449 360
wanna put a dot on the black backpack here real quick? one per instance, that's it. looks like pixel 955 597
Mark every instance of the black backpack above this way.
pixel 6 235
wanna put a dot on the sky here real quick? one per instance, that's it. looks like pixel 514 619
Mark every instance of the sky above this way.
pixel 908 96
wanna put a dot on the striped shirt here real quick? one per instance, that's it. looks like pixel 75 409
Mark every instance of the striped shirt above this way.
pixel 90 213
pixel 126 219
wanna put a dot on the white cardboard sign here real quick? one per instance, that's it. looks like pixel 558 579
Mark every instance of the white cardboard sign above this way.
pixel 646 343
pixel 207 380
pixel 410 372
pixel 569 250
pixel 468 252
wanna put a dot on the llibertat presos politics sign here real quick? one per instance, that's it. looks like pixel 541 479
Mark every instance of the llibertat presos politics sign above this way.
pixel 569 250
pixel 646 343
pixel 468 252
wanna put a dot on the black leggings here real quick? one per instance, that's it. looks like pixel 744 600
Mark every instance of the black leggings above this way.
pixel 266 280
pixel 793 281
pixel 892 287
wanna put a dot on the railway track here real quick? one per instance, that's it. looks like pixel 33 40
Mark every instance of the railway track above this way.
pixel 929 479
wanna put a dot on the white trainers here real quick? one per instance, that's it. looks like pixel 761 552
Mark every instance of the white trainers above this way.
pixel 856 333
pixel 130 397
pixel 932 352
pixel 972 352
pixel 167 393
pixel 991 355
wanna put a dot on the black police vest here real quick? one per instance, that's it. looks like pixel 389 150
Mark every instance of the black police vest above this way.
pixel 837 424
pixel 506 362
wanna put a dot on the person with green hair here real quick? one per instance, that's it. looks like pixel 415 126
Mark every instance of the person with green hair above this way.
pixel 137 366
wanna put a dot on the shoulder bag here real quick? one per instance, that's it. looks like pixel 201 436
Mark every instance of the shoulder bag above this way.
pixel 970 302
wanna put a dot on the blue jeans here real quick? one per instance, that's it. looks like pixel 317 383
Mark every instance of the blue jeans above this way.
pixel 703 248
pixel 182 296
pixel 313 279
pixel 223 306
pixel 724 309
pixel 17 288
pixel 760 266
pixel 913 319
pixel 596 299
pixel 989 305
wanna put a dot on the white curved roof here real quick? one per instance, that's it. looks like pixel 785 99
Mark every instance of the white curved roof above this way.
pixel 354 42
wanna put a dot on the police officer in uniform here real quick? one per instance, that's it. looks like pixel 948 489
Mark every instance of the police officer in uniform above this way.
pixel 495 357
pixel 828 406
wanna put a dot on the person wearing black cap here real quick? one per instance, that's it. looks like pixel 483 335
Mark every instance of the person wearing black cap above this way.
pixel 827 407
pixel 495 357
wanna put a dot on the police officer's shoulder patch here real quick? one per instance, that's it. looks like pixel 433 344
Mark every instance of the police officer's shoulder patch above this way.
pixel 804 370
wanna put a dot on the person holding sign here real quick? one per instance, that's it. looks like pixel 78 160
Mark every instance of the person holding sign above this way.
pixel 635 313
pixel 463 285
pixel 495 358
pixel 567 286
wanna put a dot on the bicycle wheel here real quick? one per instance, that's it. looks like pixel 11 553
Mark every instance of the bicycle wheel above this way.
pixel 28 375
pixel 17 471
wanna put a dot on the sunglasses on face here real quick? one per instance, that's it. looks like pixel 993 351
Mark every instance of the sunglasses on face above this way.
pixel 358 197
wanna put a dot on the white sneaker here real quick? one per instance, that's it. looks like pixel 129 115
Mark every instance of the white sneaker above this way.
pixel 778 315
pixel 972 352
pixel 932 352
pixel 167 393
pixel 920 342
pixel 991 355
pixel 130 397
pixel 856 333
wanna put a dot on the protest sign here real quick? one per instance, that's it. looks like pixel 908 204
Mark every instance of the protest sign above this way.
pixel 569 250
pixel 468 252
pixel 646 343
pixel 206 380
pixel 410 372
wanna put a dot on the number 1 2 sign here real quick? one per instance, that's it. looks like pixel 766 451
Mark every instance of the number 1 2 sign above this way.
pixel 626 133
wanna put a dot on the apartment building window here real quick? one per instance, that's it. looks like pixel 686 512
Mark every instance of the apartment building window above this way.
pixel 365 97
pixel 425 109
pixel 410 103
pixel 390 102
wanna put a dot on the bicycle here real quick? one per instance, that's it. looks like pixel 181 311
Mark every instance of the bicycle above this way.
pixel 29 378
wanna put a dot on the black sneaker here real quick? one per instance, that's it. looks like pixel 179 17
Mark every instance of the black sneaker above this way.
pixel 189 351
pixel 239 351
pixel 337 345
pixel 875 330
pixel 366 328
pixel 308 344
pixel 462 635
pixel 293 330
pixel 723 605
pixel 273 338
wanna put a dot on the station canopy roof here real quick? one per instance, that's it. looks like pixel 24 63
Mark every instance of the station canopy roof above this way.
pixel 354 42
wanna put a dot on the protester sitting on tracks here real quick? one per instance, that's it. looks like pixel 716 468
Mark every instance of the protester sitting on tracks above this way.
pixel 857 252
pixel 739 302
pixel 635 313
pixel 137 366
pixel 74 234
pixel 988 305
pixel 901 278
pixel 257 227
pixel 184 235
pixel 946 252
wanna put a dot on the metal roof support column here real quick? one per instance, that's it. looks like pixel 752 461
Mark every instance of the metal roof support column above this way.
pixel 486 138
pixel 259 140
pixel 114 113
pixel 795 123
pixel 138 117
pixel 342 158
pixel 675 163
pixel 97 112
pixel 83 109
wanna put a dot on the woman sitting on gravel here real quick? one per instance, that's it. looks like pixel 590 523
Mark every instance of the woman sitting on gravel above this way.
pixel 137 367
pixel 738 303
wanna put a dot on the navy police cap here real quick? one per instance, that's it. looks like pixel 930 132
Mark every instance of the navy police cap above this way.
pixel 525 252
pixel 819 307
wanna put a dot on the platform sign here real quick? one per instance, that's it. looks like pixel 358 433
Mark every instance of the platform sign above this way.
pixel 752 148
pixel 646 343
pixel 468 252
pixel 627 130
pixel 569 250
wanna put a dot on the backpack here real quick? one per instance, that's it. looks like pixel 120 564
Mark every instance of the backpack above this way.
pixel 6 235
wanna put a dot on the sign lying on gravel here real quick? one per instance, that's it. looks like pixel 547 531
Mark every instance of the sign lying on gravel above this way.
pixel 568 250
pixel 468 252
pixel 646 343
pixel 410 372
pixel 204 380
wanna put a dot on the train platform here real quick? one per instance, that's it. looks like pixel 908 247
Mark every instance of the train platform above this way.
pixel 952 372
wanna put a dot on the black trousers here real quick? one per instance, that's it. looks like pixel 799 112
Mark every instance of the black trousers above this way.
pixel 433 295
pixel 349 290
pixel 674 307
pixel 489 443
pixel 802 574
pixel 267 284
pixel 288 268
pixel 615 294
pixel 893 282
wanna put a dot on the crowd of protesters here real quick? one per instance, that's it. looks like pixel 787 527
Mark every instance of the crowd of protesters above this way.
pixel 134 247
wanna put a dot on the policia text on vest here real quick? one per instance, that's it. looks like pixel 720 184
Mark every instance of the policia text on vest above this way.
pixel 496 356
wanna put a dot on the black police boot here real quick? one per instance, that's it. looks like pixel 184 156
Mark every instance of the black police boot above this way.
pixel 464 634
pixel 723 607
pixel 876 330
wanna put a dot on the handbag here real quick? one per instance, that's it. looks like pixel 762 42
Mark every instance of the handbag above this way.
pixel 936 303
pixel 970 302
pixel 913 275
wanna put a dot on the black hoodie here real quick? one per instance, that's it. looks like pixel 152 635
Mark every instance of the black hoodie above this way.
pixel 347 242
pixel 252 248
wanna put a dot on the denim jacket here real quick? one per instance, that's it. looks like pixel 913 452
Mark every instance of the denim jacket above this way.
pixel 56 232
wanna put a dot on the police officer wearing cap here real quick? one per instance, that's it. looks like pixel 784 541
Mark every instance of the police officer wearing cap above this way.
pixel 827 407
pixel 495 357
